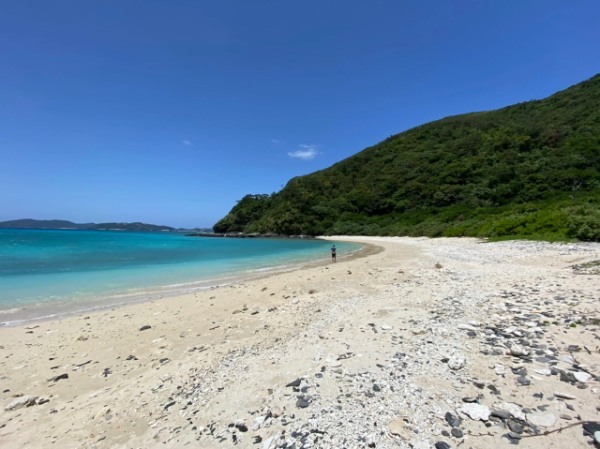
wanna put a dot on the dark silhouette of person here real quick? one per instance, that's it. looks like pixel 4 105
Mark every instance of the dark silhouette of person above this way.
pixel 333 253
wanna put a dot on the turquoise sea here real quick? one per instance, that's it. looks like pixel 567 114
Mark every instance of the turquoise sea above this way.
pixel 52 272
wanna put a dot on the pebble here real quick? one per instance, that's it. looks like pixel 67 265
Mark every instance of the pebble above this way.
pixel 541 419
pixel 457 362
pixel 476 411
pixel 456 432
pixel 59 377
pixel 23 401
pixel 582 376
pixel 514 436
pixel 515 426
pixel 302 402
pixel 499 369
pixel 518 351
pixel 453 420
pixel 513 409
pixel 294 383
pixel 564 395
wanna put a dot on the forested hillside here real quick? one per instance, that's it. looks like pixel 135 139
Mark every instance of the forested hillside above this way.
pixel 527 170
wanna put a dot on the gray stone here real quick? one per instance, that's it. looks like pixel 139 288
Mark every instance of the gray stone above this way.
pixel 515 426
pixel 456 432
pixel 452 420
pixel 523 381
pixel 302 402
pixel 514 410
pixel 502 414
pixel 294 383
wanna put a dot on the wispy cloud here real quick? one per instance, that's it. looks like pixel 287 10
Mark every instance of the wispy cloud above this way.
pixel 186 142
pixel 306 153
pixel 275 141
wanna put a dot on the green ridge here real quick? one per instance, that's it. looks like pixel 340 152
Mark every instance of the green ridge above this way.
pixel 531 170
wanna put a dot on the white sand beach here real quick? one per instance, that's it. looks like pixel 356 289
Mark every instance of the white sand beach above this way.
pixel 427 343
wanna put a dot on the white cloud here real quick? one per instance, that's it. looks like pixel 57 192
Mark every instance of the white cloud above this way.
pixel 186 142
pixel 307 153
pixel 275 141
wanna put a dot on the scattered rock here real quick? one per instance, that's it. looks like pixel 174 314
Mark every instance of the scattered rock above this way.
pixel 302 402
pixel 457 362
pixel 453 420
pixel 541 419
pixel 476 411
pixel 456 432
pixel 59 377
pixel 564 395
pixel 23 401
pixel 582 376
pixel 145 327
pixel 294 383
pixel 513 409
pixel 518 351
pixel 240 425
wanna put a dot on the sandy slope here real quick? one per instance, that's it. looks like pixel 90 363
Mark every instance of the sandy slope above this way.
pixel 385 348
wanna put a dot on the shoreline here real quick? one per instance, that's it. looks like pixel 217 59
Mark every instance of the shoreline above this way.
pixel 37 313
pixel 381 351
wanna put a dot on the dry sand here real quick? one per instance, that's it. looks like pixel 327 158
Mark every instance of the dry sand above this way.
pixel 499 339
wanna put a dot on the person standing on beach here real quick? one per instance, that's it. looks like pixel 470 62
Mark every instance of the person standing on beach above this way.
pixel 333 253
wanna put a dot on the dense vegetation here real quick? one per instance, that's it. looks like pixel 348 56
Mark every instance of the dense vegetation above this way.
pixel 529 170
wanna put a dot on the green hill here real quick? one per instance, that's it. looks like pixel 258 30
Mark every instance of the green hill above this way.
pixel 528 170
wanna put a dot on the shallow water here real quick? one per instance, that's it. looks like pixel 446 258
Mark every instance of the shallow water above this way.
pixel 59 270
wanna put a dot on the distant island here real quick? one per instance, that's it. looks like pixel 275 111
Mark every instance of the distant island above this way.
pixel 29 223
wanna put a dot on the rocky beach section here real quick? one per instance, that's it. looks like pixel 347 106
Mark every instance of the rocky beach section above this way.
pixel 441 343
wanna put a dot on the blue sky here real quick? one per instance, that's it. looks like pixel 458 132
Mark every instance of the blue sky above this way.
pixel 168 112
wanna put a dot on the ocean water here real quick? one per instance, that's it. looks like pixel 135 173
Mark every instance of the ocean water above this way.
pixel 52 272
